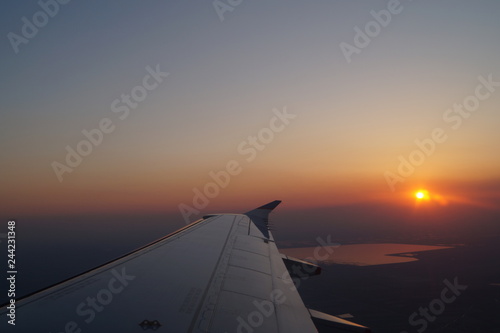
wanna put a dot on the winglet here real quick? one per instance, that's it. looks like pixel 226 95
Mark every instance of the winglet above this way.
pixel 260 216
pixel 265 210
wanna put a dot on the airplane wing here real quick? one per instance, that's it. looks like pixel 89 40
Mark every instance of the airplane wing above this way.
pixel 222 273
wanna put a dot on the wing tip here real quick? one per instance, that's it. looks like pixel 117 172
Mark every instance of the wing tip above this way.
pixel 271 205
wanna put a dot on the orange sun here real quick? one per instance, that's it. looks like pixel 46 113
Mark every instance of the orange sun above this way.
pixel 424 197
pixel 422 194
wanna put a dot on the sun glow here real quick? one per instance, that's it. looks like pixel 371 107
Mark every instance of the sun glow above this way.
pixel 422 195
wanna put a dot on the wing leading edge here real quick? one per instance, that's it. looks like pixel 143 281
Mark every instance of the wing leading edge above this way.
pixel 223 273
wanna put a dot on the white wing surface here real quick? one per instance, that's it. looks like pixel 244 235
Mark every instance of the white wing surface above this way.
pixel 222 273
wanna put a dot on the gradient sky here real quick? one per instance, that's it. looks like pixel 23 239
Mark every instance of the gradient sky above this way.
pixel 352 121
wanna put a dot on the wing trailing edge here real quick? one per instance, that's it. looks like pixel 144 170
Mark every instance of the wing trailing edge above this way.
pixel 326 323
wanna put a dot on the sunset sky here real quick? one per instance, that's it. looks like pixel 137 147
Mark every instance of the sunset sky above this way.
pixel 350 116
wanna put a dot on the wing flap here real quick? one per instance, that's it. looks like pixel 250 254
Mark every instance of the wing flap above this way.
pixel 330 324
